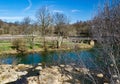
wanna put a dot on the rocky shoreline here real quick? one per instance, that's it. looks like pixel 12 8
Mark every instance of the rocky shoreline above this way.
pixel 38 74
pixel 28 74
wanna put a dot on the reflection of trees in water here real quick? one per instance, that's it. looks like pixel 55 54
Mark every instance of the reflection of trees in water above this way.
pixel 44 58
pixel 21 58
pixel 47 58
pixel 57 58
pixel 32 58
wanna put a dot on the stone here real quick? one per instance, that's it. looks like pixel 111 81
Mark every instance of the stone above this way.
pixel 84 70
pixel 22 73
pixel 70 77
pixel 40 64
pixel 118 81
pixel 50 76
pixel 77 69
pixel 92 43
pixel 106 83
pixel 111 65
pixel 38 68
pixel 62 65
pixel 9 74
pixel 100 75
pixel 66 83
pixel 114 76
pixel 33 80
pixel 69 68
pixel 22 67
pixel 6 78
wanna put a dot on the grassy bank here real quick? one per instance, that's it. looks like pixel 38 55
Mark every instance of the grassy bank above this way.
pixel 6 47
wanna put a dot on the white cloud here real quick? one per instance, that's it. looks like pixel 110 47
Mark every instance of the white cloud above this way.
pixel 29 6
pixel 11 18
pixel 57 11
pixel 75 10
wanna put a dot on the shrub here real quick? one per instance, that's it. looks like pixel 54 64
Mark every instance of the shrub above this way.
pixel 19 45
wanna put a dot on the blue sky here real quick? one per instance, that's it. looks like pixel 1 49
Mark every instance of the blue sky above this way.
pixel 16 10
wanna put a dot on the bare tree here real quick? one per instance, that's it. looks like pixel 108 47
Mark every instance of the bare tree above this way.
pixel 44 19
pixel 28 31
pixel 106 28
pixel 26 24
pixel 61 23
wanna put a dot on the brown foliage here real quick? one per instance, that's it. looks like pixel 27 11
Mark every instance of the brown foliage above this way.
pixel 19 45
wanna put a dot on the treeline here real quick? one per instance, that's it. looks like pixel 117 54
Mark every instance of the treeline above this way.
pixel 28 26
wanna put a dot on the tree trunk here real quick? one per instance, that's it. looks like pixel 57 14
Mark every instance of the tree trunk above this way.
pixel 59 41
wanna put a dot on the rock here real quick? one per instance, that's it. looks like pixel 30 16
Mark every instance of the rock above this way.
pixel 6 78
pixel 111 65
pixel 114 76
pixel 70 77
pixel 66 83
pixel 100 75
pixel 69 68
pixel 22 73
pixel 118 81
pixel 50 76
pixel 33 80
pixel 92 43
pixel 106 83
pixel 62 65
pixel 64 78
pixel 40 64
pixel 38 68
pixel 9 74
pixel 85 69
pixel 82 70
pixel 22 67
pixel 77 69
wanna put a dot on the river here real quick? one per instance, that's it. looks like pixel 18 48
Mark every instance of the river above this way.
pixel 82 58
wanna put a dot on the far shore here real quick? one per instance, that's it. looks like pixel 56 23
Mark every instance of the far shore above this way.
pixel 31 51
pixel 41 50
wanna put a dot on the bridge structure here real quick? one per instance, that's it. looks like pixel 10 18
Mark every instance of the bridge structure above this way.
pixel 71 38
pixel 11 37
pixel 82 39
pixel 75 39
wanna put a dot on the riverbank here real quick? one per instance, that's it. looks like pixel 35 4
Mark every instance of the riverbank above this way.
pixel 64 47
pixel 39 74
pixel 31 51
pixel 28 74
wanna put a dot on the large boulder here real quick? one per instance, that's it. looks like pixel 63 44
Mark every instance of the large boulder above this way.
pixel 9 74
pixel 50 76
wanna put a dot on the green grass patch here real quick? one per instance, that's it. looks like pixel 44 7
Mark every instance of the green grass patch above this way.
pixel 5 46
pixel 5 41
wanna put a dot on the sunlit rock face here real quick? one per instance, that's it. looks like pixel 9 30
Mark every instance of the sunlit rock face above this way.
pixel 9 74
pixel 49 75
